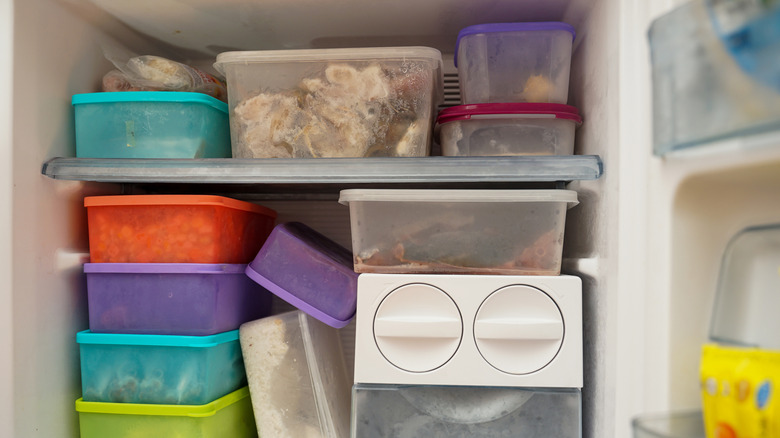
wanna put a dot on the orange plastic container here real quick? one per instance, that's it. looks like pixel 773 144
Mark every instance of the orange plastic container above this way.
pixel 175 229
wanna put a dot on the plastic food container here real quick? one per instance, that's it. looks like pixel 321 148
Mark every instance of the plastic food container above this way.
pixel 151 124
pixel 228 416
pixel 496 129
pixel 297 376
pixel 517 232
pixel 669 425
pixel 309 271
pixel 172 298
pixel 365 102
pixel 514 62
pixel 175 229
pixel 464 412
pixel 159 369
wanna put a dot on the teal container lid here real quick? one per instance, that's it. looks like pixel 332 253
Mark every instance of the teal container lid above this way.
pixel 87 337
pixel 149 96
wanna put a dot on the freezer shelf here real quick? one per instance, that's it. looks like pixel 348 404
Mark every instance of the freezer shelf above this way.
pixel 428 170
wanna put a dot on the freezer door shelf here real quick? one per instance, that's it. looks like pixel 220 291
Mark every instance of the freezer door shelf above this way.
pixel 393 171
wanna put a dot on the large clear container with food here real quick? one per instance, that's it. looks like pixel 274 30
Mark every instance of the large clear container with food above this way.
pixel 228 416
pixel 363 102
pixel 500 129
pixel 514 62
pixel 298 379
pixel 175 229
pixel 150 124
pixel 465 411
pixel 517 232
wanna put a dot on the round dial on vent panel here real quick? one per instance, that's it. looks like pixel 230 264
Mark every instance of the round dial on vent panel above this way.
pixel 518 329
pixel 418 327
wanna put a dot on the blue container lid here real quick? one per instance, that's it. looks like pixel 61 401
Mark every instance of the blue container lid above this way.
pixel 149 96
pixel 511 27
pixel 163 268
pixel 87 337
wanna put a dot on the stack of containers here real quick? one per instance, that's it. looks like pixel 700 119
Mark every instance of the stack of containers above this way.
pixel 167 292
pixel 465 326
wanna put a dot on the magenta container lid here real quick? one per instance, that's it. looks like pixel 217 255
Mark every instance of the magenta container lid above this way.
pixel 512 27
pixel 163 268
pixel 465 112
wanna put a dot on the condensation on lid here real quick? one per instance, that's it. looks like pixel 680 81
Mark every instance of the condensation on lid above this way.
pixel 89 337
pixel 465 112
pixel 148 97
pixel 431 195
pixel 192 200
pixel 512 27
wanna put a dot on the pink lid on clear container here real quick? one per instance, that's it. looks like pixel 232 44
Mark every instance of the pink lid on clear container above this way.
pixel 495 110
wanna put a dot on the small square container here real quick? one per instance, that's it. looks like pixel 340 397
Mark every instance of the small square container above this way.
pixel 363 102
pixel 514 62
pixel 500 129
pixel 747 298
pixel 151 124
pixel 464 412
pixel 298 380
pixel 309 271
pixel 175 229
pixel 516 232
pixel 187 299
pixel 228 416
pixel 159 369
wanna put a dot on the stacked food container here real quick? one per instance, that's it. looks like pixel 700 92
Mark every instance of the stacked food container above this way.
pixel 167 292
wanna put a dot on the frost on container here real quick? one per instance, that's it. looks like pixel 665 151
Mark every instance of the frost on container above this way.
pixel 332 102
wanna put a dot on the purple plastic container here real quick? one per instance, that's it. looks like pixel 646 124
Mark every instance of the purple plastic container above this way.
pixel 309 271
pixel 172 298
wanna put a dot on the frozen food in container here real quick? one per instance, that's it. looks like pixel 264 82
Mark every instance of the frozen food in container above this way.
pixel 361 102
pixel 151 124
pixel 309 271
pixel 298 379
pixel 497 129
pixel 517 232
pixel 227 416
pixel 159 369
pixel 514 62
pixel 172 298
pixel 464 411
pixel 175 229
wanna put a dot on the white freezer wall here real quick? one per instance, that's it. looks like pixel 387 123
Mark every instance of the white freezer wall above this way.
pixel 630 238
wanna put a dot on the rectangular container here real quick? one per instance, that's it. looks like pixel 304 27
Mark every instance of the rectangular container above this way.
pixel 669 425
pixel 518 232
pixel 175 229
pixel 309 271
pixel 228 416
pixel 172 298
pixel 501 129
pixel 464 412
pixel 297 376
pixel 363 102
pixel 159 369
pixel 514 62
pixel 151 124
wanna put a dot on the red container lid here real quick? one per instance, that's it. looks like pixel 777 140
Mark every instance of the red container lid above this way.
pixel 496 110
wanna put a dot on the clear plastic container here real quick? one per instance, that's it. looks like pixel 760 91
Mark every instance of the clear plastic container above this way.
pixel 172 298
pixel 500 129
pixel 159 369
pixel 309 271
pixel 151 124
pixel 175 229
pixel 669 425
pixel 228 416
pixel 514 62
pixel 297 376
pixel 464 412
pixel 747 297
pixel 364 102
pixel 518 232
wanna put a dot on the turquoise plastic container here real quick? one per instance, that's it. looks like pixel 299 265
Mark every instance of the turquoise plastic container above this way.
pixel 151 124
pixel 159 369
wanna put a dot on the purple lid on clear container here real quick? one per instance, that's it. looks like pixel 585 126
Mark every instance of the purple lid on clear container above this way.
pixel 512 27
